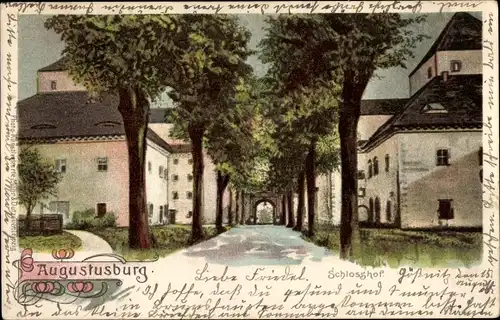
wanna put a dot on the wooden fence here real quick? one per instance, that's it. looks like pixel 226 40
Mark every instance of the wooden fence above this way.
pixel 46 224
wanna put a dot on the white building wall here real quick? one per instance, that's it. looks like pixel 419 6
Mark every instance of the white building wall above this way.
pixel 423 182
pixel 420 77
pixel 471 61
pixel 82 184
pixel 62 79
pixel 383 185
pixel 156 185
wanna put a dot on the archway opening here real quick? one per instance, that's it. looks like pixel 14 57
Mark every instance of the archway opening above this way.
pixel 265 212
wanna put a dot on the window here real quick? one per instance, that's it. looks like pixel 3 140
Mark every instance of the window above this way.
pixel 445 209
pixel 429 73
pixel 61 165
pixel 455 65
pixel 175 177
pixel 361 174
pixel 190 177
pixel 150 210
pixel 375 166
pixel 370 169
pixel 190 161
pixel 370 211
pixel 176 161
pixel 59 207
pixel 161 214
pixel 160 171
pixel 101 209
pixel 377 210
pixel 53 85
pixel 165 173
pixel 480 156
pixel 189 195
pixel 102 164
pixel 175 195
pixel 190 214
pixel 361 192
pixel 388 211
pixel 387 163
pixel 442 157
pixel 150 167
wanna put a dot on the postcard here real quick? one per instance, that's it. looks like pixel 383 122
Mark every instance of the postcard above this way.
pixel 250 160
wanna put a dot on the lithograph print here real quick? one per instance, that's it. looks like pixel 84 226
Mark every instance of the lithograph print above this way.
pixel 250 160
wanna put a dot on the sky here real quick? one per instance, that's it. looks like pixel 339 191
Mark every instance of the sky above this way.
pixel 39 47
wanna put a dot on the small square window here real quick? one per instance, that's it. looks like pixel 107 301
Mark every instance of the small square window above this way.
pixel 53 85
pixel 176 161
pixel 190 177
pixel 175 177
pixel 61 165
pixel 443 157
pixel 190 214
pixel 361 192
pixel 189 195
pixel 175 195
pixel 102 164
pixel 190 161
pixel 456 65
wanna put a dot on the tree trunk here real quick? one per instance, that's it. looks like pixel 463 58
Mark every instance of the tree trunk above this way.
pixel 237 209
pixel 311 187
pixel 134 108
pixel 222 181
pixel 300 204
pixel 291 218
pixel 230 208
pixel 243 213
pixel 348 123
pixel 196 136
pixel 283 210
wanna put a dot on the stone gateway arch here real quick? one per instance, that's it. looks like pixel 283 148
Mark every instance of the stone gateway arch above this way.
pixel 261 197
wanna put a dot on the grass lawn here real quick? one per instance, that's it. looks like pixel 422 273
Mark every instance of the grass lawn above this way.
pixel 169 239
pixel 395 247
pixel 64 240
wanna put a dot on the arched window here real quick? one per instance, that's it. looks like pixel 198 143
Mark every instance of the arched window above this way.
pixel 388 211
pixel 375 166
pixel 377 210
pixel 370 211
pixel 387 163
pixel 429 73
pixel 370 169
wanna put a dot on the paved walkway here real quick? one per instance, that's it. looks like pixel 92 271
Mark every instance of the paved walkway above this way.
pixel 91 242
pixel 256 245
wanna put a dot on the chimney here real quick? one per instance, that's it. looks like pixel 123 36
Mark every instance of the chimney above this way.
pixel 444 74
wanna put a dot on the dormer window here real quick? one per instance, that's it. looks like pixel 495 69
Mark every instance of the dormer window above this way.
pixel 53 85
pixel 455 65
pixel 429 73
pixel 108 124
pixel 434 108
pixel 44 126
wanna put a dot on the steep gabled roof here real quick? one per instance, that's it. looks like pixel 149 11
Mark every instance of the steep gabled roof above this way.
pixel 462 32
pixel 70 114
pixel 460 96
pixel 381 106
pixel 59 65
